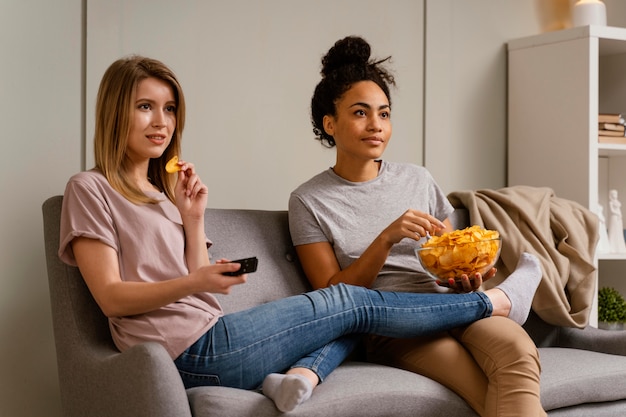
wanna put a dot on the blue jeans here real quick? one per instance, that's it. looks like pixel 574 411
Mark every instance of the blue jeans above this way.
pixel 244 347
pixel 325 359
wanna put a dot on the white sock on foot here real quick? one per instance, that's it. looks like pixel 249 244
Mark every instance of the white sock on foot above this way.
pixel 521 285
pixel 287 390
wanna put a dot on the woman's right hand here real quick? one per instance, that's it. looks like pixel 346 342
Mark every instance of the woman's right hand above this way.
pixel 412 224
pixel 211 278
pixel 190 192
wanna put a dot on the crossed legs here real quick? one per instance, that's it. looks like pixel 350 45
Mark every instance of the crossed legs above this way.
pixel 492 364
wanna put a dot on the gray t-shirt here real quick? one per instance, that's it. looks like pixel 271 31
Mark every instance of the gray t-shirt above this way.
pixel 150 244
pixel 349 215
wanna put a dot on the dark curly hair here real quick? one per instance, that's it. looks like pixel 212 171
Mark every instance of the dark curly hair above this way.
pixel 345 64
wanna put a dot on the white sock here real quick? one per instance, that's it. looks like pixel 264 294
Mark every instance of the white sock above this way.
pixel 287 390
pixel 521 285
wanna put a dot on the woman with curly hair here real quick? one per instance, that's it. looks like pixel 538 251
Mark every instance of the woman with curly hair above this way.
pixel 358 223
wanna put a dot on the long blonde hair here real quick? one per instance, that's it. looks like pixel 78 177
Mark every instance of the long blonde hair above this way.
pixel 114 109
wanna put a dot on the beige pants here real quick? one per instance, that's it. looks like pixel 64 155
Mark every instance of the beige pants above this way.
pixel 492 364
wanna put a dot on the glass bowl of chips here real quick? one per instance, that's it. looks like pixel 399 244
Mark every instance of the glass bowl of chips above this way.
pixel 461 252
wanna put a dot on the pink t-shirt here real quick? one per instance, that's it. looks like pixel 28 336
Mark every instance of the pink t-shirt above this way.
pixel 150 242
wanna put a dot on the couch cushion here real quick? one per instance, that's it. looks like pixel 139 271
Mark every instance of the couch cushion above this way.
pixel 572 376
pixel 362 389
pixel 355 389
pixel 610 409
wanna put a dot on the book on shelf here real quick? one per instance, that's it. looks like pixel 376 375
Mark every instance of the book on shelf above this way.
pixel 611 118
pixel 616 140
pixel 612 126
pixel 602 132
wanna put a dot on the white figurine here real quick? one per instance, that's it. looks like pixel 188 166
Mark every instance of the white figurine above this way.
pixel 616 225
pixel 603 243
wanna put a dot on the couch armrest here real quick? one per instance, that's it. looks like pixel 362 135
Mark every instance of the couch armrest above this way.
pixel 140 382
pixel 590 338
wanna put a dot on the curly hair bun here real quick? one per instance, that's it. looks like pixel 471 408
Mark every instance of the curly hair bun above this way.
pixel 351 50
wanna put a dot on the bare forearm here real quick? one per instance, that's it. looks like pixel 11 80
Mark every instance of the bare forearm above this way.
pixel 195 246
pixel 132 298
pixel 366 268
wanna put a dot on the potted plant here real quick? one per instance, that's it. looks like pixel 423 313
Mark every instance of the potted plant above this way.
pixel 611 309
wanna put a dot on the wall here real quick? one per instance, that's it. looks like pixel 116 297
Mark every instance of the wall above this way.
pixel 248 70
pixel 42 112
pixel 465 104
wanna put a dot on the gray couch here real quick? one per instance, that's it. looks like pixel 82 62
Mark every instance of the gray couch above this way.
pixel 583 371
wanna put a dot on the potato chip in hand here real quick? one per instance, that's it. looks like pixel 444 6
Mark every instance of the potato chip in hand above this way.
pixel 172 165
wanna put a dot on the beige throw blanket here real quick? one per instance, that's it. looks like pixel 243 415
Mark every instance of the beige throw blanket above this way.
pixel 563 234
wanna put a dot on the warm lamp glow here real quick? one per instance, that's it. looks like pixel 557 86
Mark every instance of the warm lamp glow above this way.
pixel 589 12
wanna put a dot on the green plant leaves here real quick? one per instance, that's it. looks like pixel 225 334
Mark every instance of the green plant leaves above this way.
pixel 611 306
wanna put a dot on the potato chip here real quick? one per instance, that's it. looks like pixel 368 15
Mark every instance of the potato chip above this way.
pixel 460 252
pixel 172 165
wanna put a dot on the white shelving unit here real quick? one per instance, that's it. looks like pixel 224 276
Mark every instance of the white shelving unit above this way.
pixel 558 83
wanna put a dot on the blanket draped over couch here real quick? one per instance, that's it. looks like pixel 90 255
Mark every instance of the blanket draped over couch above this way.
pixel 562 233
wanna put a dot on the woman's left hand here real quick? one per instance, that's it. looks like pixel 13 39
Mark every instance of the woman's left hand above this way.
pixel 467 284
pixel 190 192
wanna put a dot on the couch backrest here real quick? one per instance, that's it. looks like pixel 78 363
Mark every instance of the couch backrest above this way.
pixel 265 234
pixel 236 233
